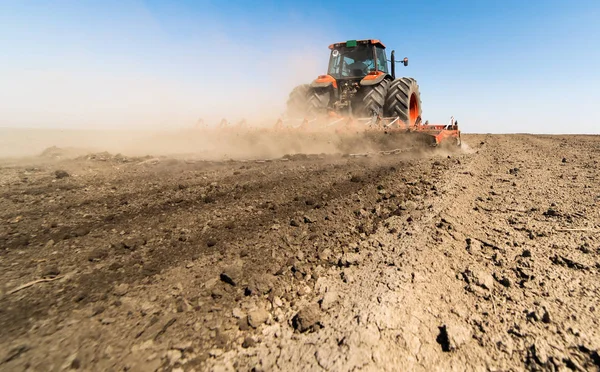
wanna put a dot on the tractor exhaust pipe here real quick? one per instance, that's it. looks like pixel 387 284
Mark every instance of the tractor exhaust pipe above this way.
pixel 393 64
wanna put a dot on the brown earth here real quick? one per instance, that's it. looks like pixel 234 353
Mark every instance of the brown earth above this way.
pixel 482 259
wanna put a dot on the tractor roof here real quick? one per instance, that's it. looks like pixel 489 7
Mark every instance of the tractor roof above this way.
pixel 375 42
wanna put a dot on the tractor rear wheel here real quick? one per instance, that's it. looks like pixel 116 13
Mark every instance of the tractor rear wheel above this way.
pixel 318 100
pixel 297 103
pixel 370 99
pixel 403 100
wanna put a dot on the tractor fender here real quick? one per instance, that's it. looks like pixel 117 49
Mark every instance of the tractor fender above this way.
pixel 324 81
pixel 373 78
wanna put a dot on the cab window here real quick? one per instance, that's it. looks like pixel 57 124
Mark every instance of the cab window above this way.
pixel 382 64
pixel 351 62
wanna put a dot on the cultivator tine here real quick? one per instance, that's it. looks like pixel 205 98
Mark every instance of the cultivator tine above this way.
pixel 392 122
pixel 333 123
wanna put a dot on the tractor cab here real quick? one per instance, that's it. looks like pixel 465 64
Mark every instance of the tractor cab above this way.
pixel 356 59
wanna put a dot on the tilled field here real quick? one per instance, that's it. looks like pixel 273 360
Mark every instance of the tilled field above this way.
pixel 486 259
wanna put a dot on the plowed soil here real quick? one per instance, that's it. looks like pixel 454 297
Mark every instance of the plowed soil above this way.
pixel 480 258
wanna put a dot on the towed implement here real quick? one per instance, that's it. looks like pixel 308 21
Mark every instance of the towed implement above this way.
pixel 360 93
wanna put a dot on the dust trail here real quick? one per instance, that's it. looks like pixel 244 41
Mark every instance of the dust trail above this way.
pixel 204 144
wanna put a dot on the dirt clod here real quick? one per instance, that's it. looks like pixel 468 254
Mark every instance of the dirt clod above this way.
pixel 546 317
pixel 479 278
pixel 75 363
pixel 505 281
pixel 98 310
pixel 121 289
pixel 307 319
pixel 50 271
pixel 132 243
pixel 258 317
pixel 231 275
pixel 59 174
pixel 98 254
pixel 248 342
pixel 243 324
pixel 452 336
pixel 329 300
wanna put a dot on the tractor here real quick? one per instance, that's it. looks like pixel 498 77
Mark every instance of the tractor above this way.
pixel 361 87
pixel 359 84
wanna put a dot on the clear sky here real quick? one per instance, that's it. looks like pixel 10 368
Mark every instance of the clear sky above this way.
pixel 497 66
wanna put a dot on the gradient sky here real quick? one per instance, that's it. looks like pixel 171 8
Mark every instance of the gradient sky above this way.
pixel 497 66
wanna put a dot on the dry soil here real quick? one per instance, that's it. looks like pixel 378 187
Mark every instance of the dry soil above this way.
pixel 483 258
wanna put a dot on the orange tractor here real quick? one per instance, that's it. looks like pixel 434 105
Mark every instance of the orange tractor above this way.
pixel 359 92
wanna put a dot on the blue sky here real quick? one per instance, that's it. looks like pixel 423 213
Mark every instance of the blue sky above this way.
pixel 497 66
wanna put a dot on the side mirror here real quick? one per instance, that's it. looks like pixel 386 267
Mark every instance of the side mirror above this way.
pixel 405 61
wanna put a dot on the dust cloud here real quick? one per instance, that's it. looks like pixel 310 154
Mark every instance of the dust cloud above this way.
pixel 193 143
pixel 174 108
pixel 153 109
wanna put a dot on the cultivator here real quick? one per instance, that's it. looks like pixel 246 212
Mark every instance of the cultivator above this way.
pixel 434 134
